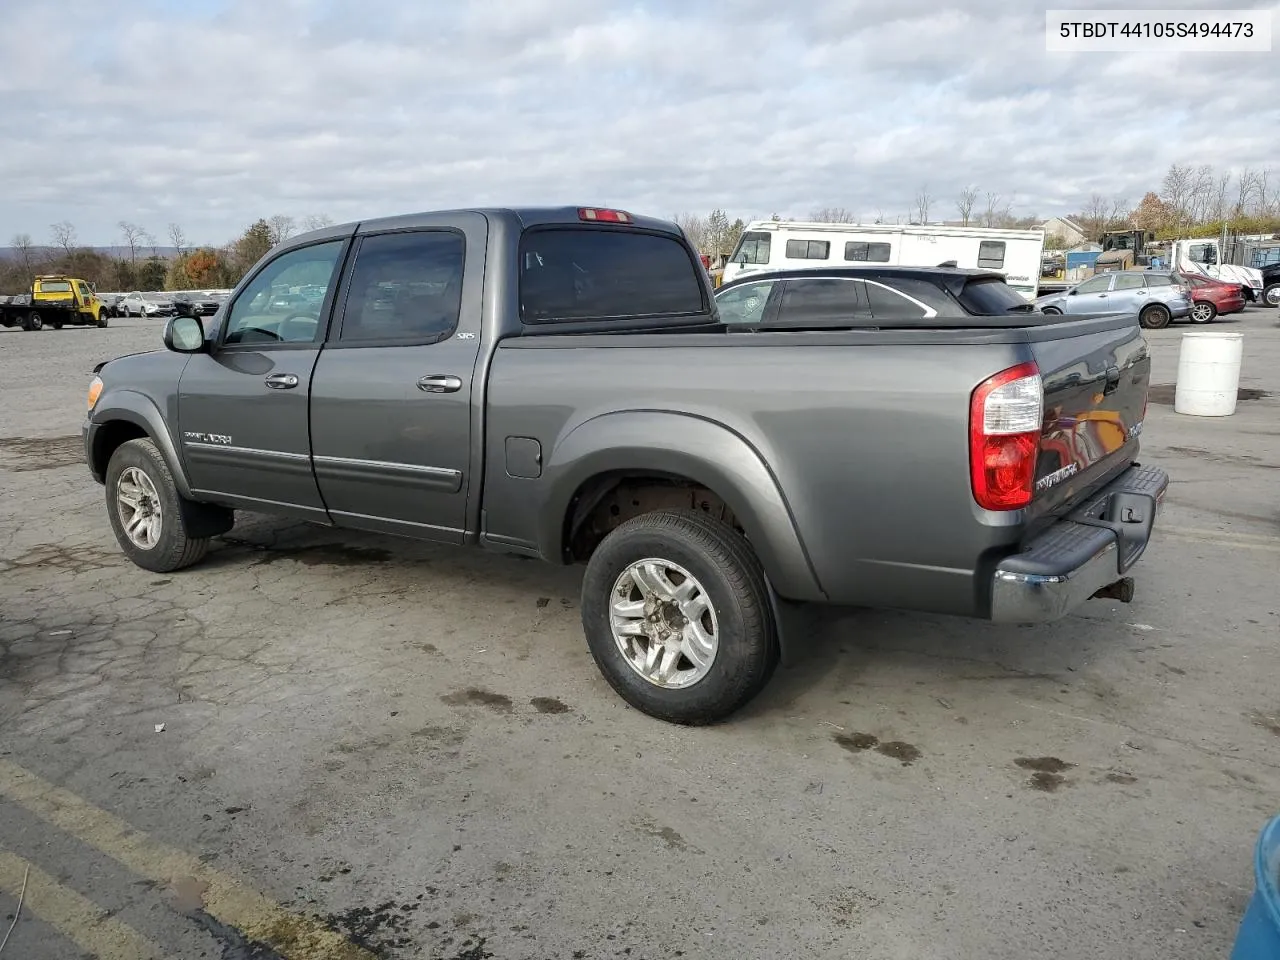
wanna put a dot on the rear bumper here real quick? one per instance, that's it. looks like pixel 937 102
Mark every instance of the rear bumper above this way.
pixel 1090 549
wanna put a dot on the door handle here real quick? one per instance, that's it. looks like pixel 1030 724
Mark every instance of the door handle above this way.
pixel 282 381
pixel 1113 381
pixel 440 383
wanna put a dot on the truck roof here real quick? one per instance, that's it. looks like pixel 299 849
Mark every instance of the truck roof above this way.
pixel 520 217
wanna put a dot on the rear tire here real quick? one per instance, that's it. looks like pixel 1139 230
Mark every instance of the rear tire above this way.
pixel 728 599
pixel 156 504
pixel 34 322
pixel 1202 311
pixel 1155 317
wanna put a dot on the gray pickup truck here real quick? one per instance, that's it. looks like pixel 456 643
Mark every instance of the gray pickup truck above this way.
pixel 558 383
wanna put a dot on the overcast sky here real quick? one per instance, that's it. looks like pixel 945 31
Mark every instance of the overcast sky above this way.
pixel 212 113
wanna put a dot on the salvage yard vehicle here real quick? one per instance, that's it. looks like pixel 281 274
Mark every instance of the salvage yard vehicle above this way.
pixel 54 301
pixel 557 383
pixel 1212 257
pixel 1211 298
pixel 1157 298
pixel 138 304
pixel 768 245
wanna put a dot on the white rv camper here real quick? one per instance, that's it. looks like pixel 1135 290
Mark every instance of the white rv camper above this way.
pixel 790 245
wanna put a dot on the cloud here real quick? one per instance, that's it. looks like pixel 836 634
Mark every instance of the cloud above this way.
pixel 211 113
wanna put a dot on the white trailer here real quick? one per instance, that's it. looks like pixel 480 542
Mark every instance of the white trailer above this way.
pixel 792 244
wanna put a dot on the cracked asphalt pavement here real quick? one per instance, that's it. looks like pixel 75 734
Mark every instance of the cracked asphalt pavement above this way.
pixel 321 744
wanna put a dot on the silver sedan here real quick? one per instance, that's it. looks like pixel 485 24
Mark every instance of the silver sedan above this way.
pixel 1157 297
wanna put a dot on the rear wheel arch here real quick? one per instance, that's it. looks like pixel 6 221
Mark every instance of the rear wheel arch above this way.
pixel 623 465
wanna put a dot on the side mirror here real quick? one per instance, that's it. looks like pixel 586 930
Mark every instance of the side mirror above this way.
pixel 184 335
pixel 1072 292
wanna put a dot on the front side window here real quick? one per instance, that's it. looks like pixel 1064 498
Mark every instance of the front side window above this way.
pixel 808 249
pixel 1098 284
pixel 1205 253
pixel 282 302
pixel 744 304
pixel 754 247
pixel 584 273
pixel 85 293
pixel 860 252
pixel 405 287
pixel 1129 281
pixel 822 300
pixel 991 254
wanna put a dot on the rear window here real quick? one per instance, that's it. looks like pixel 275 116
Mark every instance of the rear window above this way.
pixel 989 298
pixel 580 273
pixel 55 286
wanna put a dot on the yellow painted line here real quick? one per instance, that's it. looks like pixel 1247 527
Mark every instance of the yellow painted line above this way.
pixel 1242 541
pixel 81 921
pixel 293 936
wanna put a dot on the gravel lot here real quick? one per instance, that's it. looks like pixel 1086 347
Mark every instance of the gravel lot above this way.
pixel 411 743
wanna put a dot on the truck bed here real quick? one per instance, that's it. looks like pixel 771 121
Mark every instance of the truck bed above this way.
pixel 866 432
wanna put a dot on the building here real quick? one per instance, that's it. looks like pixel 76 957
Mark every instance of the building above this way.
pixel 1070 232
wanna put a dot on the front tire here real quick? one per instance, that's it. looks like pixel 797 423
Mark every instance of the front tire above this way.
pixel 1052 311
pixel 1202 311
pixel 145 509
pixel 102 319
pixel 1271 295
pixel 1155 317
pixel 677 616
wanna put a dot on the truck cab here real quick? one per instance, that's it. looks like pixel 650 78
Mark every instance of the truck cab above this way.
pixel 57 301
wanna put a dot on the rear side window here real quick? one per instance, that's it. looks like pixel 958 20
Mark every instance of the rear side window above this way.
pixel 405 287
pixel 991 254
pixel 887 304
pixel 808 249
pixel 591 274
pixel 860 252
pixel 1159 280
pixel 754 247
pixel 823 300
pixel 990 298
pixel 1129 281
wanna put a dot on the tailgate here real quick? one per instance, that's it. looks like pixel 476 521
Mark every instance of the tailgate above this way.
pixel 1095 398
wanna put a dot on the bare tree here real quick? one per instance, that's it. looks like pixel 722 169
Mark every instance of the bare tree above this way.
pixel 282 227
pixel 695 228
pixel 64 236
pixel 1203 184
pixel 1120 213
pixel 133 237
pixel 997 210
pixel 148 239
pixel 833 215
pixel 923 200
pixel 25 248
pixel 316 221
pixel 178 238
pixel 964 205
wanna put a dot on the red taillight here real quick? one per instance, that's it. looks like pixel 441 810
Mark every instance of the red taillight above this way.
pixel 1005 421
pixel 596 215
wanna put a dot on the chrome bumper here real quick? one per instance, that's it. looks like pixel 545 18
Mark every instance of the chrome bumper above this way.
pixel 1090 549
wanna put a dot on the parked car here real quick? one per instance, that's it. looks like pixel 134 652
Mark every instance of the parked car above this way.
pixel 1157 297
pixel 587 405
pixel 1210 297
pixel 868 296
pixel 110 303
pixel 145 305
pixel 189 304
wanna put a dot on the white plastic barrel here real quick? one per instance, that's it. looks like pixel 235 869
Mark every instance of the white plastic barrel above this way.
pixel 1208 373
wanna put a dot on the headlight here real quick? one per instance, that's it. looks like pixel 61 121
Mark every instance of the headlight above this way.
pixel 95 391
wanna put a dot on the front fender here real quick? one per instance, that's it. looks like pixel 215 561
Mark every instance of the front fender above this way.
pixel 139 409
pixel 701 450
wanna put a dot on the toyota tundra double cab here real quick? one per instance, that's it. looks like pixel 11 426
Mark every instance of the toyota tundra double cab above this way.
pixel 559 384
